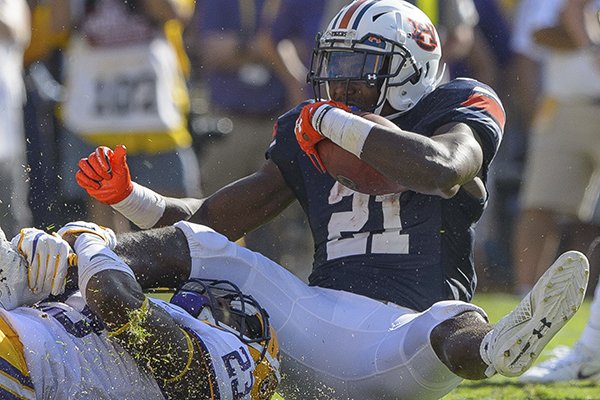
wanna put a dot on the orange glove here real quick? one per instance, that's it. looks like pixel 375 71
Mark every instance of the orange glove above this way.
pixel 306 134
pixel 104 174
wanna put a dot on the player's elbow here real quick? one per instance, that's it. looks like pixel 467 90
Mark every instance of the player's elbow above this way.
pixel 454 170
pixel 445 184
pixel 445 179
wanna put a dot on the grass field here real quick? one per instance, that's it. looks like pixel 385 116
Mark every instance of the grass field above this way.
pixel 504 388
pixel 500 388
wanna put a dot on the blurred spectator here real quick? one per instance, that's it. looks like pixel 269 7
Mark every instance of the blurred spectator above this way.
pixel 562 176
pixel 456 22
pixel 578 39
pixel 125 83
pixel 41 61
pixel 248 80
pixel 240 83
pixel 288 41
pixel 15 33
pixel 490 53
pixel 523 91
pixel 487 62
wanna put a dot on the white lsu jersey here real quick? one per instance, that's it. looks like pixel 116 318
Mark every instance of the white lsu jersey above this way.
pixel 231 365
pixel 70 356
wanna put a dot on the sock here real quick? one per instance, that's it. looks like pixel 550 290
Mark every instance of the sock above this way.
pixel 483 353
pixel 590 337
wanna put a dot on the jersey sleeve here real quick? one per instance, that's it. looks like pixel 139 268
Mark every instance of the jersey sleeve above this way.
pixel 477 105
pixel 284 149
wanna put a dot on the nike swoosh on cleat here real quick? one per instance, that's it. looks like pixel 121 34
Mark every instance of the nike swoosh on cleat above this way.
pixel 582 375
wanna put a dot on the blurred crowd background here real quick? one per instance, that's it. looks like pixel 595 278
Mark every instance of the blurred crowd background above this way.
pixel 193 88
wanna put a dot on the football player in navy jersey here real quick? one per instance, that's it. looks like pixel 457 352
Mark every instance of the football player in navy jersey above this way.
pixel 386 314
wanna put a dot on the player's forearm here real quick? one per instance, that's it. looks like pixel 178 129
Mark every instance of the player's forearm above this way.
pixel 435 166
pixel 240 208
pixel 148 209
pixel 147 333
pixel 178 209
pixel 113 295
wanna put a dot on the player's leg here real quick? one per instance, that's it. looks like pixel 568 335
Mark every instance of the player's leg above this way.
pixel 453 340
pixel 556 164
pixel 334 344
pixel 513 344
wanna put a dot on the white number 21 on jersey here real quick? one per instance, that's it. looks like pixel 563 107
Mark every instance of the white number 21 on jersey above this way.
pixel 387 241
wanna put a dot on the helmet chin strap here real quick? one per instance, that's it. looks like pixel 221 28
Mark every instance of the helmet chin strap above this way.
pixel 382 98
pixel 440 76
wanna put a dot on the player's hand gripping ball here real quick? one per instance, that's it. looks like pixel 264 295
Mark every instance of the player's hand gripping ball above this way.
pixel 353 172
pixel 307 136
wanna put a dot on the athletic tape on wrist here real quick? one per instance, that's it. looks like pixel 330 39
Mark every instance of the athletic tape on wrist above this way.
pixel 94 256
pixel 143 206
pixel 345 129
pixel 202 241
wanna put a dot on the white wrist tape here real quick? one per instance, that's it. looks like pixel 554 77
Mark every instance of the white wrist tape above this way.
pixel 203 242
pixel 345 129
pixel 94 256
pixel 143 206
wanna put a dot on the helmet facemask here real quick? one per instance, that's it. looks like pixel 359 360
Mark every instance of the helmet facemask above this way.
pixel 223 304
pixel 373 60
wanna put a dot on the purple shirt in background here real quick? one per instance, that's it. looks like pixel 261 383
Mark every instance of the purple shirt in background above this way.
pixel 252 89
pixel 300 20
pixel 497 32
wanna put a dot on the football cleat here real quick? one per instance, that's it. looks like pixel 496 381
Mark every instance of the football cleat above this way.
pixel 514 343
pixel 567 364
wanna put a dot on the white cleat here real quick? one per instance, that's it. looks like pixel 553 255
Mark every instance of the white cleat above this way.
pixel 567 364
pixel 514 343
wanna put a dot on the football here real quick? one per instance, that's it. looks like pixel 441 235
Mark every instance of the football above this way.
pixel 353 172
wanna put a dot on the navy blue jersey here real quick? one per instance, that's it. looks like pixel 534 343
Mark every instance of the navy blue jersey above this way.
pixel 411 249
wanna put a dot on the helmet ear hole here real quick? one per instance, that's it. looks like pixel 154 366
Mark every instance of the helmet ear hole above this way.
pixel 427 69
pixel 416 77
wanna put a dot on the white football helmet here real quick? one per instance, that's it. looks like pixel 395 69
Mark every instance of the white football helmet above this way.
pixel 388 43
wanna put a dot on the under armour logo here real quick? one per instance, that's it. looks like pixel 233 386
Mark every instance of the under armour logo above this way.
pixel 545 326
pixel 371 77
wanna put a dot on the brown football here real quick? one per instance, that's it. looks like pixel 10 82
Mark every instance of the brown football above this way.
pixel 353 172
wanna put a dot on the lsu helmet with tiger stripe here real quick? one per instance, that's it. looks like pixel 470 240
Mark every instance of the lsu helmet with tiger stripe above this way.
pixel 390 44
pixel 222 303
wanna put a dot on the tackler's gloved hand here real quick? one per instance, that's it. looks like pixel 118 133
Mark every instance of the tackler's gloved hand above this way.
pixel 104 175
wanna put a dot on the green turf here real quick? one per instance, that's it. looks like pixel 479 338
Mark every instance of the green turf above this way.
pixel 505 388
